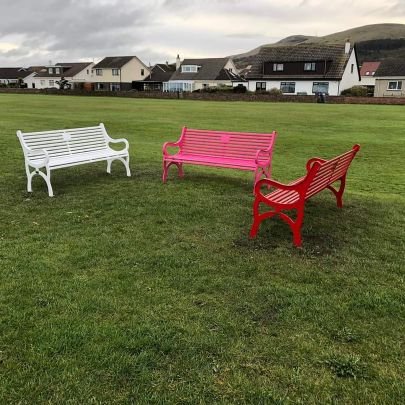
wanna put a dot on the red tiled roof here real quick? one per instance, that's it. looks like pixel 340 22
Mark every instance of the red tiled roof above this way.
pixel 369 67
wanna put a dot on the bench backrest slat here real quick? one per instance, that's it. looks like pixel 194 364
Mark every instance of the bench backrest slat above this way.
pixel 240 145
pixel 67 141
pixel 330 171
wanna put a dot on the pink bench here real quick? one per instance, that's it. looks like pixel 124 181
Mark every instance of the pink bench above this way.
pixel 321 174
pixel 236 150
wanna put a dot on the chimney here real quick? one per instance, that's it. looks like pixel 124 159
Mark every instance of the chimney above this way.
pixel 347 46
pixel 178 63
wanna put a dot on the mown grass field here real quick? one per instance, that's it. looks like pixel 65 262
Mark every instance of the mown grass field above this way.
pixel 124 290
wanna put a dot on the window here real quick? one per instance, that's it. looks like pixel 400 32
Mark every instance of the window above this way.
pixel 57 71
pixel 190 68
pixel 367 73
pixel 278 67
pixel 397 85
pixel 287 87
pixel 320 87
pixel 260 86
pixel 88 71
pixel 352 68
pixel 310 66
pixel 99 72
pixel 178 86
pixel 142 72
pixel 100 86
pixel 42 82
pixel 115 87
pixel 50 71
pixel 115 72
pixel 51 83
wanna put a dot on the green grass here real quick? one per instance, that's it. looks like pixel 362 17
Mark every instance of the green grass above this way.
pixel 124 290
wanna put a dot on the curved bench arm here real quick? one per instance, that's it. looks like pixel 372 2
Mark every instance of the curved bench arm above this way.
pixel 312 161
pixel 29 153
pixel 267 153
pixel 121 140
pixel 276 184
pixel 170 144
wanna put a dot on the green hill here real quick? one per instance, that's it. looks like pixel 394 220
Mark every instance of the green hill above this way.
pixel 373 42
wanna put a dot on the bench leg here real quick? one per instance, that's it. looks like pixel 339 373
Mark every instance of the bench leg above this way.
pixel 46 176
pixel 296 228
pixel 166 167
pixel 125 161
pixel 258 218
pixel 339 193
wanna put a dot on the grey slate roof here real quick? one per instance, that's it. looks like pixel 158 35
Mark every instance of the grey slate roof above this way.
pixel 161 72
pixel 13 73
pixel 211 69
pixel 74 69
pixel 301 53
pixel 391 67
pixel 113 62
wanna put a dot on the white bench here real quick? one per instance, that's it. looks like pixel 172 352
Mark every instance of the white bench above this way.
pixel 50 150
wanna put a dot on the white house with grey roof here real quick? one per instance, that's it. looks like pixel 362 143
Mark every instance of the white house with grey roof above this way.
pixel 198 74
pixel 304 69
pixel 76 73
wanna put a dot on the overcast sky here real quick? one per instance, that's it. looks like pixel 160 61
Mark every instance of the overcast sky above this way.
pixel 36 32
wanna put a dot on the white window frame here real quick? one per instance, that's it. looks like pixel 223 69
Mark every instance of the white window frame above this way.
pixel 278 67
pixel 42 82
pixel 309 66
pixel 189 68
pixel 51 83
pixel 99 72
pixel 115 72
pixel 398 85
pixel 260 88
pixel 57 71
pixel 320 84
pixel 287 84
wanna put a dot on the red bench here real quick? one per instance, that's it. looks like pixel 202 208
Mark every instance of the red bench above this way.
pixel 321 174
pixel 237 150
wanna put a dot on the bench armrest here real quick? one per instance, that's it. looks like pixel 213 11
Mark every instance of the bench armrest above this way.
pixel 32 152
pixel 312 161
pixel 266 157
pixel 120 140
pixel 276 184
pixel 170 144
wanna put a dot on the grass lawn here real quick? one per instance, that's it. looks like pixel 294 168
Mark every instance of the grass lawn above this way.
pixel 124 290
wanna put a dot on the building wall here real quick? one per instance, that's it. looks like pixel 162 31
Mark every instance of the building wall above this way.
pixel 349 78
pixel 130 72
pixel 381 87
pixel 301 86
pixel 367 80
pixel 85 75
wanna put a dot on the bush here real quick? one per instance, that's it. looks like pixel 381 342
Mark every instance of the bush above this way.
pixel 240 88
pixel 275 92
pixel 355 91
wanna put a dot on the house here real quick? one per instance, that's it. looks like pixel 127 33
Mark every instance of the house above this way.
pixel 367 72
pixel 304 69
pixel 13 76
pixel 76 74
pixel 390 78
pixel 197 74
pixel 116 73
pixel 159 74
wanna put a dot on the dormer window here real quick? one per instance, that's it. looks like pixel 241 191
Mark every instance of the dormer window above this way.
pixel 190 68
pixel 309 67
pixel 50 71
pixel 278 67
pixel 57 71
